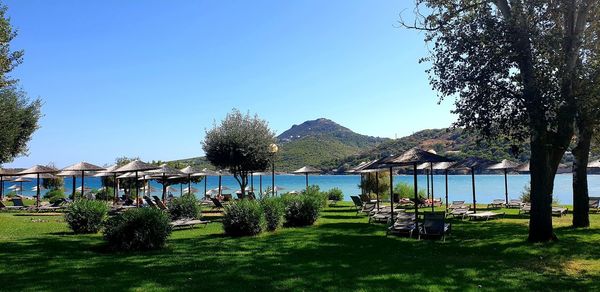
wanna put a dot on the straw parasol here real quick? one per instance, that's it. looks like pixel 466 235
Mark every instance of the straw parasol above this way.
pixel 136 166
pixel 504 165
pixel 594 164
pixel 306 170
pixel 414 157
pixel 3 173
pixel 21 180
pixel 525 167
pixel 471 164
pixel 82 167
pixel 73 174
pixel 164 170
pixel 190 190
pixel 110 171
pixel 221 173
pixel 444 166
pixel 38 170
pixel 190 171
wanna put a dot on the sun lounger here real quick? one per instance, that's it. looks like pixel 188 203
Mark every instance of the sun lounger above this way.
pixel 485 215
pixel 457 205
pixel 515 204
pixel 6 207
pixel 404 224
pixel 525 209
pixel 558 211
pixel 159 203
pixel 57 205
pixel 187 223
pixel 461 212
pixel 497 203
pixel 150 202
pixel 217 204
pixel 383 214
pixel 361 206
pixel 434 225
pixel 594 204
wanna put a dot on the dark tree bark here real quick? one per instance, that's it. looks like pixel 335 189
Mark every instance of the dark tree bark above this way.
pixel 581 153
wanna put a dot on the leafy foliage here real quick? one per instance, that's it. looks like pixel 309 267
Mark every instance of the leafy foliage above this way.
pixel 138 229
pixel 54 195
pixel 376 183
pixel 86 216
pixel 243 218
pixel 335 194
pixel 240 144
pixel 273 210
pixel 303 209
pixel 184 207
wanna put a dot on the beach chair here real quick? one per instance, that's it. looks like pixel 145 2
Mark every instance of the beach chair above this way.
pixel 461 212
pixel 559 211
pixel 150 203
pixel 456 205
pixel 434 225
pixel 240 196
pixel 594 204
pixel 487 215
pixel 525 209
pixel 18 202
pixel 497 203
pixel 383 215
pixel 187 223
pixel 159 203
pixel 514 204
pixel 404 225
pixel 227 198
pixel 57 205
pixel 5 207
pixel 217 204
pixel 358 204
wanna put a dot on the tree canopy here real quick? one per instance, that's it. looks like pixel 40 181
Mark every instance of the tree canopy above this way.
pixel 240 144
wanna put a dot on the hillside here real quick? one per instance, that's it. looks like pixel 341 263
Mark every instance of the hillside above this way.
pixel 321 143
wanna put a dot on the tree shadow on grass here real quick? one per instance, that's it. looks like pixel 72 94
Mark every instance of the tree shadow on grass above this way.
pixel 335 255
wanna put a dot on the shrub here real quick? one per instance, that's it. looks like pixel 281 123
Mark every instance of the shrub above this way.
pixel 184 207
pixel 86 216
pixel 273 209
pixel 335 194
pixel 526 194
pixel 243 218
pixel 315 192
pixel 106 194
pixel 54 195
pixel 138 229
pixel 302 210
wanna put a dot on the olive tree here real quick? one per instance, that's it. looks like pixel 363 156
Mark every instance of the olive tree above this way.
pixel 240 143
pixel 513 66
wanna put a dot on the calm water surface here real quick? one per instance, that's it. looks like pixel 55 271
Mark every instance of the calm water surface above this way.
pixel 488 187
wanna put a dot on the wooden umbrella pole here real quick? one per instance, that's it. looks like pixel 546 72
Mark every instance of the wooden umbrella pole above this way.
pixel 473 185
pixel 377 188
pixel 416 186
pixel 392 194
pixel 432 194
pixel 82 184
pixel 38 191
pixel 74 187
pixel 446 175
pixel 506 184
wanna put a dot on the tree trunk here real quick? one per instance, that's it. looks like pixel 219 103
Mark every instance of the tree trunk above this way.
pixel 543 169
pixel 581 153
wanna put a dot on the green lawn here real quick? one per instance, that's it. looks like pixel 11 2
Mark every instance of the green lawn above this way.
pixel 342 252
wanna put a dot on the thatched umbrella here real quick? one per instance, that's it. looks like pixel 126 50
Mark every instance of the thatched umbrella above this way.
pixel 189 171
pixel 110 171
pixel 82 167
pixel 38 170
pixel 21 180
pixel 444 166
pixel 594 164
pixel 504 165
pixel 4 173
pixel 306 170
pixel 221 173
pixel 414 157
pixel 73 174
pixel 472 164
pixel 165 171
pixel 376 171
pixel 136 166
pixel 260 183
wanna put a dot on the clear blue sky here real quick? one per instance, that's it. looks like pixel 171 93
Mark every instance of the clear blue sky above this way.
pixel 146 78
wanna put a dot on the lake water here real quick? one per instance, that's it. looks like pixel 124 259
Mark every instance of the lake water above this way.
pixel 488 187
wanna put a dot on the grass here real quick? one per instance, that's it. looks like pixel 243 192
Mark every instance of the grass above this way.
pixel 342 252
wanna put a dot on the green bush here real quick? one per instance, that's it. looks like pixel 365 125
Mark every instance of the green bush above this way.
pixel 302 210
pixel 138 229
pixel 273 210
pixel 526 194
pixel 243 218
pixel 86 216
pixel 184 207
pixel 315 192
pixel 405 190
pixel 106 194
pixel 54 195
pixel 335 194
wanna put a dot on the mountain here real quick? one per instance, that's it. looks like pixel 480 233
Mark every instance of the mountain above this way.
pixel 321 143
